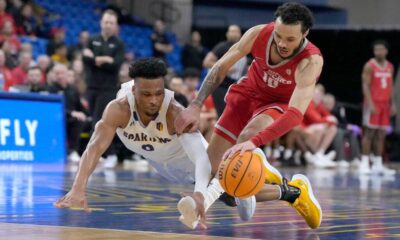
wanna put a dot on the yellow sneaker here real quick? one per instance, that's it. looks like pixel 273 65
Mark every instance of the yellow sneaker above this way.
pixel 272 175
pixel 306 204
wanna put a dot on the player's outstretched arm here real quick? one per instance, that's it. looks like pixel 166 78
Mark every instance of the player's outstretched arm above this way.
pixel 113 117
pixel 191 115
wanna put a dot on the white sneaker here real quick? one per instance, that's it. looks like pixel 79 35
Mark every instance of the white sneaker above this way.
pixel 331 155
pixel 343 164
pixel 310 158
pixel 139 161
pixel 246 208
pixel 364 168
pixel 187 208
pixel 355 163
pixel 111 161
pixel 380 169
pixel 322 161
pixel 74 157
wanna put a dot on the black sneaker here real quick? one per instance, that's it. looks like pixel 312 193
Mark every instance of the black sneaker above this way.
pixel 228 200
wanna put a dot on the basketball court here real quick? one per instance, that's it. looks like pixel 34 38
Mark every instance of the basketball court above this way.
pixel 138 204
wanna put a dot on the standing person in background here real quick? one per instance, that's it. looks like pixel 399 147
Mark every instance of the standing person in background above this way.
pixel 75 51
pixel 161 44
pixel 193 52
pixel 103 59
pixel 377 79
pixel 233 35
pixel 75 115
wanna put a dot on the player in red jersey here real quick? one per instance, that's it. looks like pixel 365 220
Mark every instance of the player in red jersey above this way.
pixel 268 102
pixel 377 79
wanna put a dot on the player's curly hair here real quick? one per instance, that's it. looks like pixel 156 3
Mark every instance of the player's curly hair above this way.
pixel 149 68
pixel 295 13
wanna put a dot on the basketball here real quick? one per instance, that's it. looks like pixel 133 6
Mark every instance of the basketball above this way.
pixel 242 176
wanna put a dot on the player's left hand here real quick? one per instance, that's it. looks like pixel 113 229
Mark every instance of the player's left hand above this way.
pixel 242 147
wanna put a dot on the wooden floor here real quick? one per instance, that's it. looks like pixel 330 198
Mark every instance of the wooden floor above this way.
pixel 29 231
pixel 138 204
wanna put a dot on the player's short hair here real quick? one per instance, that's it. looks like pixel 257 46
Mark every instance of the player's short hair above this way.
pixel 380 42
pixel 292 13
pixel 149 68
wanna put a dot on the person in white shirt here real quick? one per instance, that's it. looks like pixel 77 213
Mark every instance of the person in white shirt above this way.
pixel 143 116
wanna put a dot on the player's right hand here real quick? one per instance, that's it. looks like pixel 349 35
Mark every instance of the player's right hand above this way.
pixel 200 209
pixel 73 199
pixel 188 119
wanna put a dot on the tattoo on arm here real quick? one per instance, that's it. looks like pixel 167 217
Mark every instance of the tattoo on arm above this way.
pixel 210 83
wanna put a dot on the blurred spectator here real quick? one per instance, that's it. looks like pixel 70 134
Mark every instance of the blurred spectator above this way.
pixel 25 21
pixel 5 73
pixel 60 54
pixel 9 39
pixel 4 16
pixel 176 85
pixel 191 78
pixel 103 59
pixel 193 52
pixel 44 64
pixel 58 37
pixel 79 74
pixel 233 35
pixel 320 130
pixel 20 73
pixel 75 51
pixel 161 44
pixel 347 133
pixel 74 110
pixel 33 84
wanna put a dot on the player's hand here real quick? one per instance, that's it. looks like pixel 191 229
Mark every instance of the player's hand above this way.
pixel 200 209
pixel 188 120
pixel 79 115
pixel 88 53
pixel 393 110
pixel 73 199
pixel 242 147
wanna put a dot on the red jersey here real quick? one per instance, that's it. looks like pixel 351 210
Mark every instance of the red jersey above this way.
pixel 266 81
pixel 381 81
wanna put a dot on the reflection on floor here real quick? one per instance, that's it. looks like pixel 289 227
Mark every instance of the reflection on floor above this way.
pixel 354 207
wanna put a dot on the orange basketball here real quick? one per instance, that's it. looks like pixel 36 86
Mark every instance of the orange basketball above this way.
pixel 242 176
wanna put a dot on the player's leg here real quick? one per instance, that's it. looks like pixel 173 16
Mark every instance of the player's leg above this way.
pixel 366 143
pixel 379 141
pixel 297 192
pixel 327 139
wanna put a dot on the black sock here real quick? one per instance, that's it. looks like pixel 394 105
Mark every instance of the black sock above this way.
pixel 289 193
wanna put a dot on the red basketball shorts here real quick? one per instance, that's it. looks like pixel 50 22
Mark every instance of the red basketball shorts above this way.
pixel 380 119
pixel 240 108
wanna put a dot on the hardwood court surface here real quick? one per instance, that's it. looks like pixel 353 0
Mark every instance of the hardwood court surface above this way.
pixel 138 204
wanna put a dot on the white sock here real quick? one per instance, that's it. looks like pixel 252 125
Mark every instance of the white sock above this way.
pixel 214 191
